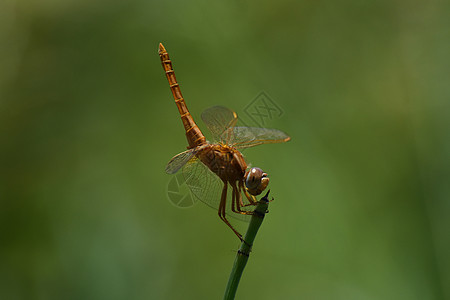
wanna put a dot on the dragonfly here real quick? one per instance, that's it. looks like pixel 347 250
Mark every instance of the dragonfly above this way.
pixel 212 170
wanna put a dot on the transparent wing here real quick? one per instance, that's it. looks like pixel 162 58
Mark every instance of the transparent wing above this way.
pixel 245 137
pixel 179 160
pixel 219 120
pixel 207 187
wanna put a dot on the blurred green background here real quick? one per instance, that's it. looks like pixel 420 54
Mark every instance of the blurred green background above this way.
pixel 88 123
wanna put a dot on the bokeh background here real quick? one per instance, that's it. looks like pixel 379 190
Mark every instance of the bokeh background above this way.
pixel 87 125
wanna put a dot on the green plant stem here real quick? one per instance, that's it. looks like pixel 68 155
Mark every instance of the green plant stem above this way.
pixel 246 247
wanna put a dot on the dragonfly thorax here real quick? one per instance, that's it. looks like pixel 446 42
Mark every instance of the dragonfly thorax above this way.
pixel 225 161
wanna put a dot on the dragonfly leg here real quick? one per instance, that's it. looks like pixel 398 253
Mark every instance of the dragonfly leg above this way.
pixel 237 204
pixel 249 197
pixel 233 201
pixel 222 206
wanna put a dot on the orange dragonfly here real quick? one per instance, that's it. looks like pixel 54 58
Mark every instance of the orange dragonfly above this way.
pixel 211 169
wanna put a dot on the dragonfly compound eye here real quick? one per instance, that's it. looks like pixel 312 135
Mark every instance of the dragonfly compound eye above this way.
pixel 256 181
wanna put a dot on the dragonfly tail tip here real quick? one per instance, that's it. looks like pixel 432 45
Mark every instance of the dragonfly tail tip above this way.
pixel 161 48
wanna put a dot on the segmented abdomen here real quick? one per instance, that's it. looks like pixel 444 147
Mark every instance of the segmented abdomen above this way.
pixel 193 134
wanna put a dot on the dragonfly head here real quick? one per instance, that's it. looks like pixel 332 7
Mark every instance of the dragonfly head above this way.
pixel 256 181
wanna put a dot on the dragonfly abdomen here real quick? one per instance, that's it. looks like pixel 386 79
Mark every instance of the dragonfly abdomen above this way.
pixel 193 134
